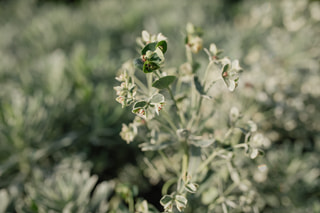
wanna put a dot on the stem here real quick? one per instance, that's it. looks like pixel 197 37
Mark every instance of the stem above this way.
pixel 189 54
pixel 230 189
pixel 157 74
pixel 185 160
pixel 140 84
pixel 176 106
pixel 198 115
pixel 169 120
pixel 208 160
pixel 172 97
pixel 131 205
pixel 149 81
pixel 167 185
pixel 167 161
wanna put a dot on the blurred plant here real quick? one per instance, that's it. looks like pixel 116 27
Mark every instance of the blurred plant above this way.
pixel 70 188
pixel 173 119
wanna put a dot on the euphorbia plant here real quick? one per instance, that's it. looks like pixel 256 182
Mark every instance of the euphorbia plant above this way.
pixel 173 119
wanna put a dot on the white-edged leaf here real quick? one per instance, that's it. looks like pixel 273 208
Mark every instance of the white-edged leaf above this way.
pixel 181 202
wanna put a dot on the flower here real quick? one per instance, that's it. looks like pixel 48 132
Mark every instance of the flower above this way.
pixel 126 92
pixel 195 43
pixel 230 72
pixel 141 112
pixel 194 40
pixel 158 107
pixel 185 71
pixel 128 133
pixel 147 38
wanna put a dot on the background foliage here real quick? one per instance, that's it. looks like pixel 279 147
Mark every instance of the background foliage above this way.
pixel 59 123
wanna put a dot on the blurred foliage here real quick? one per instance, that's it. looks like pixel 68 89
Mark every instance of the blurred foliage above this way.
pixel 58 63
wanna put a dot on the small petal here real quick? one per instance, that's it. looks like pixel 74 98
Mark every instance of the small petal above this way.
pixel 213 49
pixel 161 37
pixel 236 66
pixel 145 36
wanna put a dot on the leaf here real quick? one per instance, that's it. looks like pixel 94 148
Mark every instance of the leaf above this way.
pixel 162 46
pixel 140 104
pixel 101 192
pixel 191 187
pixel 166 202
pixel 149 66
pixel 200 88
pixel 153 147
pixel 5 200
pixel 181 202
pixel 209 195
pixel 203 143
pixel 198 85
pixel 164 82
pixel 150 46
pixel 194 159
pixel 254 153
pixel 157 98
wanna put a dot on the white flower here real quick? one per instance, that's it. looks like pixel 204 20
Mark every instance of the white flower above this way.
pixel 195 43
pixel 185 71
pixel 158 107
pixel 230 72
pixel 148 38
pixel 128 133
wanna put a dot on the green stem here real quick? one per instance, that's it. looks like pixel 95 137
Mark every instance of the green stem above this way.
pixel 167 161
pixel 157 74
pixel 207 161
pixel 149 81
pixel 166 186
pixel 172 97
pixel 140 84
pixel 131 205
pixel 169 120
pixel 179 112
pixel 229 189
pixel 189 55
pixel 185 159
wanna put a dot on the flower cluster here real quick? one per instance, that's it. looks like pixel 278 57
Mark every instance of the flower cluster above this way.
pixel 153 48
pixel 147 109
pixel 229 69
pixel 193 39
pixel 126 92
pixel 147 38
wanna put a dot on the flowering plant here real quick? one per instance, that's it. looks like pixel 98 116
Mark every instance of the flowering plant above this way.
pixel 174 120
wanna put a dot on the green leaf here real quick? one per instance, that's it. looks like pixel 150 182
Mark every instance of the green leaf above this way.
pixel 156 99
pixel 150 46
pixel 200 88
pixel 225 69
pixel 164 82
pixel 140 104
pixel 166 201
pixel 198 85
pixel 195 67
pixel 149 66
pixel 162 45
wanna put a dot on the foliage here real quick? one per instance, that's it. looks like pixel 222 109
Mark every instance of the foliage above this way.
pixel 175 124
pixel 58 63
